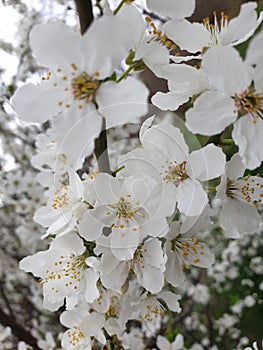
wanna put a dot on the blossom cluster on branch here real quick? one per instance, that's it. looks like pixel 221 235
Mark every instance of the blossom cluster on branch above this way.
pixel 123 238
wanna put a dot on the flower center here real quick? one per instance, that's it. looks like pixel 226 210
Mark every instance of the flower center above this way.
pixel 158 36
pixel 84 87
pixel 75 335
pixel 190 249
pixel 61 198
pixel 248 189
pixel 249 102
pixel 123 209
pixel 174 173
pixel 68 268
pixel 216 27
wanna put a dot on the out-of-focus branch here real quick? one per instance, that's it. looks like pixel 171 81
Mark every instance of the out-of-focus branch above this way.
pixel 85 13
pixel 18 331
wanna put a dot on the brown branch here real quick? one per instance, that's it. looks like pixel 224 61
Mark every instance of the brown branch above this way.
pixel 18 331
pixel 85 13
pixel 101 150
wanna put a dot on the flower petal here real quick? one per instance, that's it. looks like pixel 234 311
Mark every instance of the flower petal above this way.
pixel 191 197
pixel 71 126
pixel 124 242
pixel 37 103
pixel 237 217
pixel 240 28
pixel 247 134
pixel 207 162
pixel 167 139
pixel 170 100
pixel 213 111
pixel 56 45
pixel 107 32
pixel 226 70
pixel 182 33
pixel 235 168
pixel 117 103
pixel 172 8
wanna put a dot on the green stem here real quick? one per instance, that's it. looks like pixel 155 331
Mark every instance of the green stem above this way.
pixel 117 170
pixel 124 74
pixel 227 141
pixel 119 7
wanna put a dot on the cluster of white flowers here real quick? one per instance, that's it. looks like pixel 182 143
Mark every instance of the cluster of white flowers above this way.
pixel 123 239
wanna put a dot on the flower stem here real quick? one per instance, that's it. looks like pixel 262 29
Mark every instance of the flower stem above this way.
pixel 117 170
pixel 124 74
pixel 119 7
pixel 227 141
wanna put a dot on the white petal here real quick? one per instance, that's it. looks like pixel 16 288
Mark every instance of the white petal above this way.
pixel 192 224
pixel 254 50
pixel 113 267
pixel 172 8
pixel 46 216
pixel 167 139
pixel 69 127
pixel 156 226
pixel 37 103
pixel 145 126
pixel 235 168
pixel 191 37
pixel 238 217
pixel 171 299
pixel 92 324
pixel 248 136
pixel 75 184
pixel 163 343
pixel 207 162
pixel 90 227
pixel 107 32
pixel 107 189
pixel 124 242
pixel 119 105
pixel 201 257
pixel 184 79
pixel 135 24
pixel 226 70
pixel 258 75
pixel 55 45
pixel 153 55
pixel 179 59
pixel 91 292
pixel 191 197
pixel 71 242
pixel 52 305
pixel 151 278
pixel 212 113
pixel 170 100
pixel 178 343
pixel 241 27
pixel 174 272
pixel 153 254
